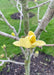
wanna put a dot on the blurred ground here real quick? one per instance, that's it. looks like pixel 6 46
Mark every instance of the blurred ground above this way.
pixel 41 65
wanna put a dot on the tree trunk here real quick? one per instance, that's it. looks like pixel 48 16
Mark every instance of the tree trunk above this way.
pixel 27 63
pixel 25 16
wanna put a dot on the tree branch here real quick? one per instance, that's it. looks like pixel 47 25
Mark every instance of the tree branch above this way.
pixel 39 5
pixel 12 27
pixel 13 37
pixel 21 14
pixel 49 45
pixel 3 61
pixel 32 52
pixel 46 19
pixel 8 35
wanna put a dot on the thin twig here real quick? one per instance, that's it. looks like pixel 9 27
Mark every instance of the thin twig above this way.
pixel 45 20
pixel 38 13
pixel 49 45
pixel 8 35
pixel 39 5
pixel 12 27
pixel 6 53
pixel 32 52
pixel 20 10
pixel 3 61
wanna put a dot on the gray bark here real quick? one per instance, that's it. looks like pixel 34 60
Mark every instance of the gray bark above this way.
pixel 25 15
pixel 46 19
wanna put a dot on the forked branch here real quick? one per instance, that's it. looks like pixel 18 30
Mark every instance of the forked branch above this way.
pixel 12 27
pixel 39 5
pixel 46 19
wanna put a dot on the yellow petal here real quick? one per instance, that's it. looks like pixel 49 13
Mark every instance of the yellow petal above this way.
pixel 16 43
pixel 30 33
pixel 39 43
pixel 32 38
pixel 23 42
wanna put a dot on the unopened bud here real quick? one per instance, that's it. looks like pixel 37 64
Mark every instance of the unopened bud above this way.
pixel 2 55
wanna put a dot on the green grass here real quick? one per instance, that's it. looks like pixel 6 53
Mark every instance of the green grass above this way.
pixel 8 9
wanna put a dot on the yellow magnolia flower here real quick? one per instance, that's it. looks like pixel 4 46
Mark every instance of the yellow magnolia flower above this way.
pixel 29 41
pixel 13 34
